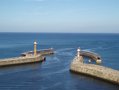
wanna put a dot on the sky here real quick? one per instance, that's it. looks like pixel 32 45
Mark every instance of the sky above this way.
pixel 72 16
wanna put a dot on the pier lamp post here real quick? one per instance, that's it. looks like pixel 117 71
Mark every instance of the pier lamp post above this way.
pixel 78 52
pixel 35 48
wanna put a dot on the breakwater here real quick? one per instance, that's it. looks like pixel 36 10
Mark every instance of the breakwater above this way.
pixel 93 70
pixel 42 52
pixel 26 58
pixel 20 60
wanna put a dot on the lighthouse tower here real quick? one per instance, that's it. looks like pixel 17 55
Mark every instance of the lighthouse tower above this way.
pixel 35 48
pixel 78 52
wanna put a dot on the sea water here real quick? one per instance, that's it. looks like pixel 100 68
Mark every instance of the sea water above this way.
pixel 54 74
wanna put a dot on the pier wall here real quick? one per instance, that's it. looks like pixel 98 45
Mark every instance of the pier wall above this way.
pixel 45 52
pixel 39 52
pixel 101 72
pixel 20 60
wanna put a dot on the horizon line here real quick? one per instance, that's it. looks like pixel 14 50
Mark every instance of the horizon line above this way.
pixel 68 32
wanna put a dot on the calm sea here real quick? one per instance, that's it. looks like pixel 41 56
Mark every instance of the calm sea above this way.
pixel 53 74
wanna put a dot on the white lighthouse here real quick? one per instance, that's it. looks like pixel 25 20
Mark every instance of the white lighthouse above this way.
pixel 78 52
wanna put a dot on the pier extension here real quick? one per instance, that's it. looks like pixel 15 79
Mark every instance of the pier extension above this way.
pixel 93 70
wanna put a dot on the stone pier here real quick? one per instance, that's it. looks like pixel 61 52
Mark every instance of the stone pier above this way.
pixel 27 57
pixel 93 70
pixel 21 60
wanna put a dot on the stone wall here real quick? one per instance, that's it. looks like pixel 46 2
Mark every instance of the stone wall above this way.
pixel 39 52
pixel 95 70
pixel 20 60
pixel 46 52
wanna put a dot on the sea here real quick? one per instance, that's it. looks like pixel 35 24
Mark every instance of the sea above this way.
pixel 54 74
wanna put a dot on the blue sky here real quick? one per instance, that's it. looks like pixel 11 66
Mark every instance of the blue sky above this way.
pixel 77 16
